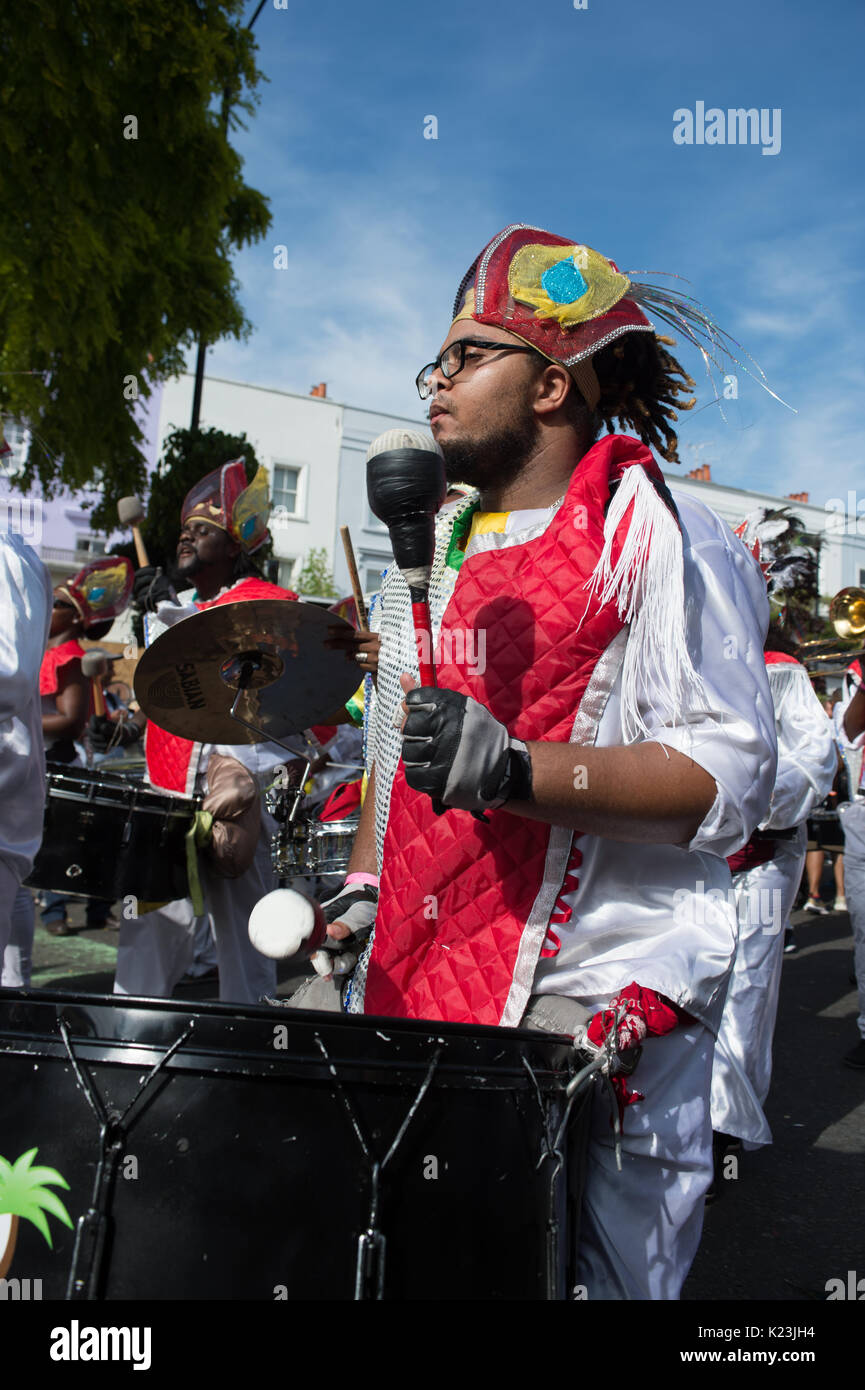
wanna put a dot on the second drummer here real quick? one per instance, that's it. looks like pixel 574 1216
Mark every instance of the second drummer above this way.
pixel 223 524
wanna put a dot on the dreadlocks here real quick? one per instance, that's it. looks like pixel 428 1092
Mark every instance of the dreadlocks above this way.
pixel 642 387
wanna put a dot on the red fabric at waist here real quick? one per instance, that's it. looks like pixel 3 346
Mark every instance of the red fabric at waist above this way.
pixel 750 855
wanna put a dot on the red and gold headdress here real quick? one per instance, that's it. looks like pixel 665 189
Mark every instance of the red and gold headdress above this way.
pixel 225 499
pixel 568 301
pixel 101 590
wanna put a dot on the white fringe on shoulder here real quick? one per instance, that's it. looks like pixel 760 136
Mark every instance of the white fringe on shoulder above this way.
pixel 787 682
pixel 648 587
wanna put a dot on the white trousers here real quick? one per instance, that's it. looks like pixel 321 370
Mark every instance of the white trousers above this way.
pixel 9 886
pixel 156 950
pixel 853 824
pixel 16 961
pixel 641 1228
pixel 743 1052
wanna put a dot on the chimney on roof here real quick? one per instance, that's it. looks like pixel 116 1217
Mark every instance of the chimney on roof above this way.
pixel 797 496
pixel 703 474
pixel 319 390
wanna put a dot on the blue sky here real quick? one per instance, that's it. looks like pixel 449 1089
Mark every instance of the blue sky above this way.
pixel 563 118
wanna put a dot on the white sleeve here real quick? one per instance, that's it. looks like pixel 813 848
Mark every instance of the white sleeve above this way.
pixel 25 616
pixel 851 686
pixel 807 755
pixel 731 733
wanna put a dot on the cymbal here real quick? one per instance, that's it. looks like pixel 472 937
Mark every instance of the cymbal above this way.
pixel 187 680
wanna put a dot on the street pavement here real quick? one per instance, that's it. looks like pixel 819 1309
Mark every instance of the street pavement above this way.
pixel 792 1217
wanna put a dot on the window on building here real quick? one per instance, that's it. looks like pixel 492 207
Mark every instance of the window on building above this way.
pixel 90 545
pixel 372 576
pixel 286 485
pixel 285 573
pixel 862 578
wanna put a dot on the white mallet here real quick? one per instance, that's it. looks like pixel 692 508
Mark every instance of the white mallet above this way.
pixel 131 513
pixel 284 922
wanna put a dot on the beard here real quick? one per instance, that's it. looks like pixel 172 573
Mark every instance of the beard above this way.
pixel 181 575
pixel 495 459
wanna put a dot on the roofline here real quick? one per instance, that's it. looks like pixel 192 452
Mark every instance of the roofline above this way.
pixel 676 478
pixel 279 391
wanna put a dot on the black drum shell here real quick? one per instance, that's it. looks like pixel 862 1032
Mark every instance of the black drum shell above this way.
pixel 107 837
pixel 241 1175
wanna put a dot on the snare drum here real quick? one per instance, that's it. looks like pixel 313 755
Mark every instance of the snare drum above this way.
pixel 311 847
pixel 105 837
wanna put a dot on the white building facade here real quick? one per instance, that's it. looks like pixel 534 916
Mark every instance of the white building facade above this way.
pixel 314 449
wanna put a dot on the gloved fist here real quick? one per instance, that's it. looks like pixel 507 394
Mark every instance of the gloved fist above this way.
pixel 354 906
pixel 457 752
pixel 150 588
pixel 118 733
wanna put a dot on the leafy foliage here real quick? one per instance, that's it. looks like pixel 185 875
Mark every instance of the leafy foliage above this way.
pixel 115 251
pixel 316 576
pixel 23 1192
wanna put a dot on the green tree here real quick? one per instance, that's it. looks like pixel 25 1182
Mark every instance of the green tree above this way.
pixel 316 576
pixel 187 455
pixel 122 199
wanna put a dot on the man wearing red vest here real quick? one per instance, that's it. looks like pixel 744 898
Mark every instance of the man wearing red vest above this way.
pixel 223 522
pixel 602 735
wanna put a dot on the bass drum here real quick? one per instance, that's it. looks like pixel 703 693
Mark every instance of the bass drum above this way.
pixel 105 837
pixel 274 1154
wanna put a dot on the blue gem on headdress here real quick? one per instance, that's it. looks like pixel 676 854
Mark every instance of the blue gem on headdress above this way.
pixel 563 282
pixel 247 527
pixel 96 595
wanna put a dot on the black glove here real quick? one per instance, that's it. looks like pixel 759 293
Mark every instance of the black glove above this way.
pixel 151 587
pixel 102 731
pixel 459 754
pixel 355 904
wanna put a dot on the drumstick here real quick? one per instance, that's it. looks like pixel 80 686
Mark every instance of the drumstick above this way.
pixel 94 666
pixel 406 486
pixel 131 512
pixel 354 576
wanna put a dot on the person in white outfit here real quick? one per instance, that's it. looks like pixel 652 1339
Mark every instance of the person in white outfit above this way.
pixel 223 522
pixel 567 802
pixel 850 726
pixel 25 616
pixel 766 877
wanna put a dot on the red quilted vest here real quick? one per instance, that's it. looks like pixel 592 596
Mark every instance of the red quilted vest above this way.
pixel 170 765
pixel 456 893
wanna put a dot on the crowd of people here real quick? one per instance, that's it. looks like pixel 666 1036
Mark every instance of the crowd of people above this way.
pixel 609 815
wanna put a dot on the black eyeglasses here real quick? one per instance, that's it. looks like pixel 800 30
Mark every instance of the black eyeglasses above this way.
pixel 453 359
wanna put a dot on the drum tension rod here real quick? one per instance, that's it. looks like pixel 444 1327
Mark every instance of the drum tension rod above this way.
pixel 371 1243
pixel 91 1232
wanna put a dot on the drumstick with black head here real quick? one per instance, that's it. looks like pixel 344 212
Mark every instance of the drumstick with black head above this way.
pixel 406 486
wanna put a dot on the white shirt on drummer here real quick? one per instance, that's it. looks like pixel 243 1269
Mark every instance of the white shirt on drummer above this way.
pixel 640 911
pixel 25 616
pixel 807 755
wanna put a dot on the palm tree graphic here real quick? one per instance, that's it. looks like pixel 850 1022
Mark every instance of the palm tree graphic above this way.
pixel 23 1194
